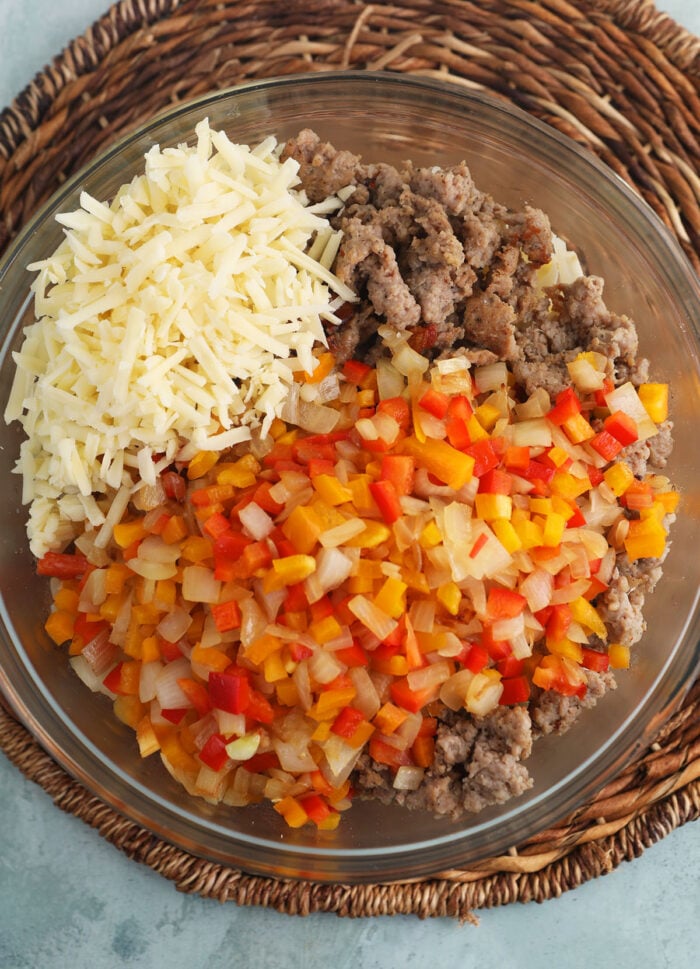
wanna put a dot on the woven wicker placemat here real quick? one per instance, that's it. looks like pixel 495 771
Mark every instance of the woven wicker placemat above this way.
pixel 621 79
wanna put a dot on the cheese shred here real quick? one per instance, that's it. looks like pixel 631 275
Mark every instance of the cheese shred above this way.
pixel 175 316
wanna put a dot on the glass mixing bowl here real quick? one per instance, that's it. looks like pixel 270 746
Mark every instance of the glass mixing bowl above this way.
pixel 517 159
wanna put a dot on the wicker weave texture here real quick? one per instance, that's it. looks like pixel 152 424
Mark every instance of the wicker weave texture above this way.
pixel 617 76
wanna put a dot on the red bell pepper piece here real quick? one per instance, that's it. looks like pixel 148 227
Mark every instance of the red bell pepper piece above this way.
pixel 259 709
pixel 295 600
pixel 398 408
pixel 595 475
pixel 321 609
pixel 510 666
pixel 594 660
pixel 622 426
pixel 113 679
pixel 352 655
pixel 230 691
pixel 318 466
pixel 498 649
pixel 226 615
pixel 457 432
pixel 383 753
pixel 216 525
pixel 197 694
pixel 516 689
pixel 261 763
pixel 496 482
pixel 434 402
pixel 485 457
pixel 478 545
pixel 566 405
pixel 355 371
pixel 62 565
pixel 347 722
pixel 537 471
pixel 316 808
pixel 607 446
pixel 474 657
pixel 262 497
pixel 460 408
pixel 399 469
pixel 387 499
pixel 599 395
pixel 504 603
pixel 299 652
pixel 558 623
pixel 88 630
pixel 174 714
pixel 411 700
pixel 213 753
pixel 517 458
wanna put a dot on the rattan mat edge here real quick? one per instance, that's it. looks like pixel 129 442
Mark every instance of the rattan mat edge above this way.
pixel 619 77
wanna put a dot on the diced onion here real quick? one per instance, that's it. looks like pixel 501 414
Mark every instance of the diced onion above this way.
pixel 147 680
pixel 174 625
pixel 169 693
pixel 408 778
pixel 256 522
pixel 100 654
pixel 199 584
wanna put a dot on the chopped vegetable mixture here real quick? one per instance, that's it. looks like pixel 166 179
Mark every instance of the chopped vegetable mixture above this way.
pixel 264 617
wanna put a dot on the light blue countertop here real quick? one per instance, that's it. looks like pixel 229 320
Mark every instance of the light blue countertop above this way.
pixel 68 900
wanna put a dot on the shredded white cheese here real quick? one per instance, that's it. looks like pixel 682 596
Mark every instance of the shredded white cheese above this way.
pixel 174 317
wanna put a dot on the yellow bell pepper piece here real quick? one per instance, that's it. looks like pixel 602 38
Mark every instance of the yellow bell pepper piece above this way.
pixel 201 464
pixel 273 668
pixel 566 647
pixel 330 702
pixel 578 429
pixel 618 478
pixel 529 533
pixel 326 629
pixel 324 364
pixel 361 495
pixel 196 549
pixel 292 812
pixel 391 598
pixel 669 500
pixel 146 737
pixel 331 490
pixel 655 400
pixel 287 693
pixel 59 626
pixel 506 535
pixel 442 460
pixel 211 657
pixel 237 476
pixel 646 539
pixel 487 415
pixel 566 485
pixel 126 533
pixel 289 570
pixel 553 531
pixel 583 612
pixel 375 533
pixel 619 656
pixel 489 507
pixel 302 528
pixel 450 596
pixel 430 536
